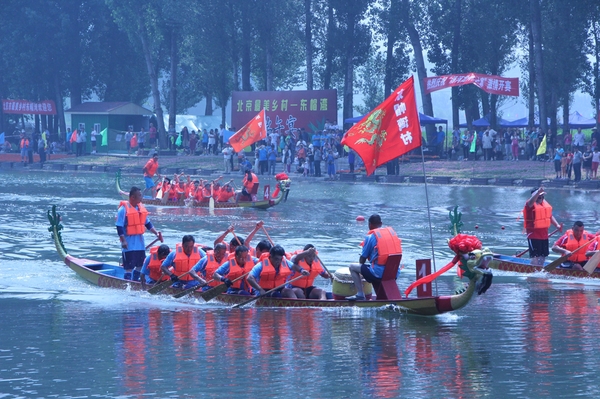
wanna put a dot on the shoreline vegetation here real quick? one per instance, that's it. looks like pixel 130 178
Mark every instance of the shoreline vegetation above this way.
pixel 503 173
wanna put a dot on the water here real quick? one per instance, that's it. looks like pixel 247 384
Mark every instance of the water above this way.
pixel 527 337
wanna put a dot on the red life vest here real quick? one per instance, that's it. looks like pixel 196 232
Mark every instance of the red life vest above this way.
pixel 388 243
pixel 540 217
pixel 271 278
pixel 211 267
pixel 154 266
pixel 183 263
pixel 249 184
pixel 135 218
pixel 236 271
pixel 315 269
pixel 572 244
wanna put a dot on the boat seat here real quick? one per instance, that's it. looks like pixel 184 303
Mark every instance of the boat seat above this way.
pixel 110 272
pixel 386 288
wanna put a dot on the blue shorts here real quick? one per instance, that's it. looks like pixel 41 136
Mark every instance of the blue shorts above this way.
pixel 368 275
pixel 149 182
pixel 133 259
pixel 24 152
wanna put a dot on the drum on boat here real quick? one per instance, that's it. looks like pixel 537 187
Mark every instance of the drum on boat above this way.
pixel 343 285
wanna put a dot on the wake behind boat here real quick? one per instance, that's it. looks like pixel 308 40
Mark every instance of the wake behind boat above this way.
pixel 280 194
pixel 107 275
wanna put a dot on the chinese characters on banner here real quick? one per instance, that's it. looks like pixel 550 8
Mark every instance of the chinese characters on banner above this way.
pixel 45 107
pixel 285 110
pixel 390 130
pixel 489 83
pixel 252 132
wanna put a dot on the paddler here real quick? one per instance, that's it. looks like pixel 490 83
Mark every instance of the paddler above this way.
pixel 183 259
pixel 150 169
pixel 537 215
pixel 307 260
pixel 132 222
pixel 379 243
pixel 152 266
pixel 239 264
pixel 237 240
pixel 247 185
pixel 274 272
pixel 574 238
pixel 206 266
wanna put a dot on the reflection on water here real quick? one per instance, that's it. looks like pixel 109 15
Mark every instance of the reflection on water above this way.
pixel 526 337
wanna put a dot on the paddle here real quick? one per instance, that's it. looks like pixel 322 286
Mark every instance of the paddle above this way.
pixel 592 264
pixel 164 285
pixel 211 201
pixel 219 289
pixel 266 293
pixel 325 267
pixel 553 265
pixel 190 290
pixel 236 238
pixel 271 241
pixel 549 235
pixel 159 237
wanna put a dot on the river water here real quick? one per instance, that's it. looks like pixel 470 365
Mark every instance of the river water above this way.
pixel 527 337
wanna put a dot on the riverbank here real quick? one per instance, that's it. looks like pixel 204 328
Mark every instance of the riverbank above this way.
pixel 502 173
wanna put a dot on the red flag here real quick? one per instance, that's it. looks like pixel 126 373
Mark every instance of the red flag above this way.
pixel 390 130
pixel 73 137
pixel 252 132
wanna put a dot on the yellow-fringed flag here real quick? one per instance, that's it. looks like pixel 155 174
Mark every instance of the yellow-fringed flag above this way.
pixel 542 148
pixel 104 134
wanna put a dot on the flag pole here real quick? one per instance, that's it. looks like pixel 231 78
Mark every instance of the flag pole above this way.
pixel 429 217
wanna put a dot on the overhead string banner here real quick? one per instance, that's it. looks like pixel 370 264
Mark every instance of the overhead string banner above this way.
pixel 488 83
pixel 390 130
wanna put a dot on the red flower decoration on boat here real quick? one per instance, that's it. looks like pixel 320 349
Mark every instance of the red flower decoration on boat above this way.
pixel 464 243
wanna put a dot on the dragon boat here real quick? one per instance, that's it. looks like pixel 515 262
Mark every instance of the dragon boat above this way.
pixel 280 194
pixel 519 265
pixel 111 276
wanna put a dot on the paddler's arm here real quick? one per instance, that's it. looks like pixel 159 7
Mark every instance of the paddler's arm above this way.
pixel 560 250
pixel 255 285
pixel 151 228
pixel 252 233
pixel 533 198
pixel 196 277
pixel 222 236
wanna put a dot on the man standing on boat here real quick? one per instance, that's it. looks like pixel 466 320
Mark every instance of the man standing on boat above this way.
pixel 379 243
pixel 150 170
pixel 538 217
pixel 573 244
pixel 132 222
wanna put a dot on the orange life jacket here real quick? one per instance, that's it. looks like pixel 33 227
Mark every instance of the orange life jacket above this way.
pixel 388 243
pixel 24 143
pixel 249 184
pixel 135 218
pixel 183 263
pixel 542 216
pixel 572 244
pixel 236 271
pixel 271 278
pixel 315 269
pixel 154 266
pixel 211 267
pixel 224 195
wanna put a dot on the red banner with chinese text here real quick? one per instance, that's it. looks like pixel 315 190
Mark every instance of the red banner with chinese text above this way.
pixel 45 107
pixel 489 83
pixel 252 132
pixel 390 130
pixel 285 110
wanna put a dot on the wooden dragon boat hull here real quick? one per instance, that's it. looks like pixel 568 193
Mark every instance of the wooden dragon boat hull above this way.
pixel 519 265
pixel 111 276
pixel 262 204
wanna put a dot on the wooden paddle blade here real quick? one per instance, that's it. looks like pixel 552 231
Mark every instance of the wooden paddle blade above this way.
pixel 185 292
pixel 214 292
pixel 592 264
pixel 554 264
pixel 160 287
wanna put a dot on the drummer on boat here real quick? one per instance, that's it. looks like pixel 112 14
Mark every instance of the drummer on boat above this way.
pixel 182 260
pixel 274 272
pixel 206 266
pixel 151 272
pixel 379 243
pixel 308 260
pixel 571 243
pixel 239 263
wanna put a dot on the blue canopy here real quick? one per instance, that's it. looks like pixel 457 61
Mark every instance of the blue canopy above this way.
pixel 424 119
pixel 577 120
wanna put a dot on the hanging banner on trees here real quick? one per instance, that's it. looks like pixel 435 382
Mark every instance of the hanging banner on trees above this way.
pixel 45 107
pixel 488 83
pixel 285 110
pixel 390 130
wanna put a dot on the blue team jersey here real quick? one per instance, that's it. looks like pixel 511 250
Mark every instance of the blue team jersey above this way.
pixel 370 252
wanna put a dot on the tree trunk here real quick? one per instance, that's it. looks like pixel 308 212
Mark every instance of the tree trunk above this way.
pixel 269 66
pixel 173 86
pixel 531 70
pixel 329 48
pixel 349 76
pixel 308 44
pixel 596 82
pixel 152 73
pixel 246 42
pixel 60 110
pixel 208 109
pixel 456 41
pixel 565 108
pixel 415 41
pixel 536 32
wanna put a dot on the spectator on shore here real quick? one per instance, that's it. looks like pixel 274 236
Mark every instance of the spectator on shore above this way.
pixel 587 162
